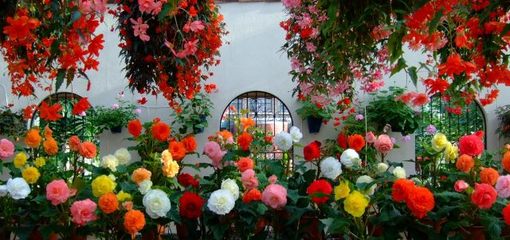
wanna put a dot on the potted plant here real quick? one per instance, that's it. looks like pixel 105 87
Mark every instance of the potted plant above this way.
pixel 314 114
pixel 11 123
pixel 503 113
pixel 114 117
pixel 192 117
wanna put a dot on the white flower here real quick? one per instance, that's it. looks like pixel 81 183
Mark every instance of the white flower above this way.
pixel 296 134
pixel 3 190
pixel 221 202
pixel 283 141
pixel 123 156
pixel 382 167
pixel 231 186
pixel 145 186
pixel 366 180
pixel 18 188
pixel 111 162
pixel 156 203
pixel 331 168
pixel 350 158
pixel 399 172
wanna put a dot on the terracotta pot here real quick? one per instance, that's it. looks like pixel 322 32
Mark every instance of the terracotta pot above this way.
pixel 473 233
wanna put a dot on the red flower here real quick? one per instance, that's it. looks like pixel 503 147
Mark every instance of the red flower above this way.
pixel 135 127
pixel 252 195
pixel 160 131
pixel 177 149
pixel 420 99
pixel 50 113
pixel 187 180
pixel 356 142
pixel 420 201
pixel 312 151
pixel 400 189
pixel 189 143
pixel 454 65
pixel 471 145
pixel 190 205
pixel 342 140
pixel 319 191
pixel 244 164
pixel 142 101
pixel 506 214
pixel 436 86
pixel 484 196
pixel 81 106
pixel 244 141
pixel 20 27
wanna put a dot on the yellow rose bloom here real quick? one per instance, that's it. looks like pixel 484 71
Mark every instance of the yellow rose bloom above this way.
pixel 31 175
pixel 124 196
pixel 439 142
pixel 39 162
pixel 20 160
pixel 355 204
pixel 166 156
pixel 170 168
pixel 102 184
pixel 342 190
pixel 451 152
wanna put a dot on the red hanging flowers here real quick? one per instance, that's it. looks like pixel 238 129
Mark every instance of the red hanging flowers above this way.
pixel 81 106
pixel 50 113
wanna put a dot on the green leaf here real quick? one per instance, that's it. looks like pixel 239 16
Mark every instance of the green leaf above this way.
pixel 413 74
pixel 401 64
pixel 75 16
pixel 60 79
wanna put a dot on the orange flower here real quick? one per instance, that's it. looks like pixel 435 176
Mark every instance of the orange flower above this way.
pixel 33 139
pixel 50 146
pixel 356 142
pixel 252 195
pixel 48 133
pixel 489 176
pixel 74 143
pixel 135 127
pixel 226 136
pixel 160 131
pixel 88 150
pixel 420 201
pixel 108 203
pixel 244 140
pixel 247 123
pixel 134 221
pixel 244 164
pixel 401 189
pixel 465 163
pixel 506 161
pixel 189 143
pixel 50 113
pixel 177 149
pixel 140 174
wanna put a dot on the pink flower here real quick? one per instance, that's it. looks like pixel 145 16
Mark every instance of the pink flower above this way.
pixel 460 186
pixel 83 211
pixel 150 6
pixel 383 144
pixel 6 149
pixel 58 192
pixel 503 186
pixel 93 6
pixel 272 179
pixel 275 196
pixel 370 137
pixel 194 26
pixel 190 47
pixel 214 152
pixel 249 179
pixel 140 29
pixel 291 3
pixel 484 196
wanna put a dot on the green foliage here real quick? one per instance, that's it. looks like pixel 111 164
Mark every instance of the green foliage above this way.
pixel 109 117
pixel 308 109
pixel 503 129
pixel 192 117
pixel 11 123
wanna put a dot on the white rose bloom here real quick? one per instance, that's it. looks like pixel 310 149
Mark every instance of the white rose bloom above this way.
pixel 399 172
pixel 283 141
pixel 123 156
pixel 350 158
pixel 111 162
pixel 366 180
pixel 331 168
pixel 296 134
pixel 18 188
pixel 382 167
pixel 221 202
pixel 145 186
pixel 3 190
pixel 231 186
pixel 156 203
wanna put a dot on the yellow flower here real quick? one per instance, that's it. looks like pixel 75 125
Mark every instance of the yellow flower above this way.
pixel 166 156
pixel 124 196
pixel 451 152
pixel 102 184
pixel 20 160
pixel 31 174
pixel 355 204
pixel 39 162
pixel 439 141
pixel 342 190
pixel 170 168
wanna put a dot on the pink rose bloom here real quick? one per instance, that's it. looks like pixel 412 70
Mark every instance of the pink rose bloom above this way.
pixel 460 186
pixel 214 152
pixel 383 144
pixel 58 192
pixel 6 149
pixel 370 137
pixel 83 211
pixel 249 179
pixel 275 196
pixel 503 186
pixel 484 196
pixel 471 145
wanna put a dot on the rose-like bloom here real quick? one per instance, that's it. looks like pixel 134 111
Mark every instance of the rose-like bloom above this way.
pixel 123 156
pixel 221 202
pixel 283 141
pixel 108 203
pixel 342 190
pixel 439 142
pixel 166 156
pixel 102 184
pixel 18 188
pixel 57 192
pixel 6 149
pixel 244 164
pixel 190 144
pixel 134 221
pixel 295 134
pixel 244 141
pixel 40 162
pixel 319 191
pixel 186 180
pixel 489 176
pixel 135 127
pixel 399 172
pixel 365 180
pixel 505 161
pixel 50 146
pixel 275 196
pixel 252 195
pixel 190 205
pixel 170 168
pixel 160 131
pixel 33 138
pixel 225 136
pixel 156 203
pixel 31 174
pixel 231 186
pixel 249 179
pixel 140 174
pixel 81 106
pixel 20 160
pixel 88 150
pixel 484 196
pixel 465 163
pixel 83 212
pixel 506 214
pixel 431 129
pixel 111 162
pixel 247 122
pixel 471 145
pixel 341 140
pixel 401 189
pixel 177 149
pixel 382 168
pixel 123 196
pixel 330 168
pixel 145 186
pixel 420 201
pixel 503 186
pixel 356 142
pixel 383 144
pixel 355 204
pixel 451 152
pixel 460 186
pixel 350 158
pixel 74 143
pixel 312 151
pixel 370 137
pixel 214 152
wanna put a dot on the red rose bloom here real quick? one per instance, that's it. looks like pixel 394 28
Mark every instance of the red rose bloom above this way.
pixel 420 201
pixel 319 191
pixel 506 214
pixel 484 196
pixel 244 140
pixel 471 145
pixel 190 205
pixel 160 131
pixel 135 127
pixel 81 106
pixel 177 149
pixel 400 189
pixel 187 180
pixel 356 142
pixel 342 140
pixel 312 151
pixel 244 164
pixel 189 143
pixel 252 195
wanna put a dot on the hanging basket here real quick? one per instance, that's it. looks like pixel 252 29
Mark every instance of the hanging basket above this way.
pixel 314 124
pixel 116 129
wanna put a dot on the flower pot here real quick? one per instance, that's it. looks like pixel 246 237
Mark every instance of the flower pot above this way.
pixel 198 130
pixel 473 233
pixel 314 124
pixel 116 129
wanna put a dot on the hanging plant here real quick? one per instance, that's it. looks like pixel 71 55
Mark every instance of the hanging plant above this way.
pixel 8 9
pixel 169 46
